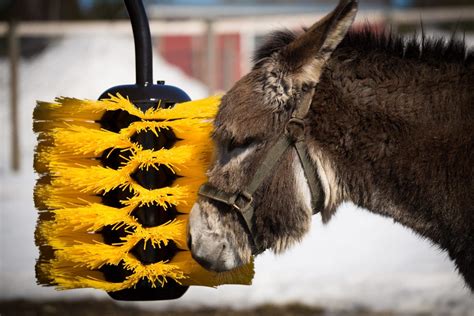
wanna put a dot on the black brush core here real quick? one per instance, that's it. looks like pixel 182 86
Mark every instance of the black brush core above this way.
pixel 154 215
pixel 152 178
pixel 114 121
pixel 114 196
pixel 149 140
pixel 113 235
pixel 115 273
pixel 148 254
pixel 115 158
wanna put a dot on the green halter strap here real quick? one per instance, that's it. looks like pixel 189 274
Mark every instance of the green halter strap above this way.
pixel 293 135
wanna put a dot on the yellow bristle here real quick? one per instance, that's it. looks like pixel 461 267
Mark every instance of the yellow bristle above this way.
pixel 71 144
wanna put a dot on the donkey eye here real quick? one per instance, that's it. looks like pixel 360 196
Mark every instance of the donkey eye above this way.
pixel 233 144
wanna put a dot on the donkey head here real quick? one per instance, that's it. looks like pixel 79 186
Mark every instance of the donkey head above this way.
pixel 251 117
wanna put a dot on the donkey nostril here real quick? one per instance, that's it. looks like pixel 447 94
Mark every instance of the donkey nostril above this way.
pixel 204 262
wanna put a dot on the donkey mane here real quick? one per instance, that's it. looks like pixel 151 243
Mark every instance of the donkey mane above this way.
pixel 428 49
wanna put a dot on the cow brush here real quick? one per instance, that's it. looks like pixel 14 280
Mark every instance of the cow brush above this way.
pixel 118 177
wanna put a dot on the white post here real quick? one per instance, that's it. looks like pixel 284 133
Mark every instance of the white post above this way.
pixel 14 50
pixel 211 57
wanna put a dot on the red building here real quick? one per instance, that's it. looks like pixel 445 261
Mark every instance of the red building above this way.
pixel 190 54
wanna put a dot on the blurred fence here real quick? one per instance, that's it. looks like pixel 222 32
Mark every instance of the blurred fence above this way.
pixel 220 49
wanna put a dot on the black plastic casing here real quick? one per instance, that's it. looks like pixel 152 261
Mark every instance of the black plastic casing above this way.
pixel 145 97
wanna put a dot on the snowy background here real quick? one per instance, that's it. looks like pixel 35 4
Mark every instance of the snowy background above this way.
pixel 358 260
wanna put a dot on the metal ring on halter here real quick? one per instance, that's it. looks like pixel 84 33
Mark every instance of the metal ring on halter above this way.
pixel 296 128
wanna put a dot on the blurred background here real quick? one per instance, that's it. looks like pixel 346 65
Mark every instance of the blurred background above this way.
pixel 358 264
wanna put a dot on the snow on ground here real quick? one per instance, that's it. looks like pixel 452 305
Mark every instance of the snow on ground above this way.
pixel 357 260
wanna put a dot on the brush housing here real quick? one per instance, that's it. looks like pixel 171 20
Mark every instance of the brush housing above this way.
pixel 144 98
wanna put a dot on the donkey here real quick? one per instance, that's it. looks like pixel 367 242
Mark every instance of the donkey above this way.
pixel 329 115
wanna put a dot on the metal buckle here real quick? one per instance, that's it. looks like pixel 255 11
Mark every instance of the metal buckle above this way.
pixel 295 128
pixel 247 199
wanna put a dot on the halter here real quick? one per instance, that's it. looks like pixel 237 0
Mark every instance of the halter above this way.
pixel 294 134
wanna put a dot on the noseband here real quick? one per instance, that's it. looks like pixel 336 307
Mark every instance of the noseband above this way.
pixel 293 136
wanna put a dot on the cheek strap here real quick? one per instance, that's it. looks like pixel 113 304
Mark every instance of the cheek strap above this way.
pixel 242 201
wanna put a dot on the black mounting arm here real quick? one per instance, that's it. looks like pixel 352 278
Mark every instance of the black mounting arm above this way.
pixel 142 37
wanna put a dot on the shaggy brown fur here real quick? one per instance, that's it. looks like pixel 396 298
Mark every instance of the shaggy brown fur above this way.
pixel 391 123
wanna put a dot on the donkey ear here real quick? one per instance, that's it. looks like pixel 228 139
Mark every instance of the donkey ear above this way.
pixel 307 54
